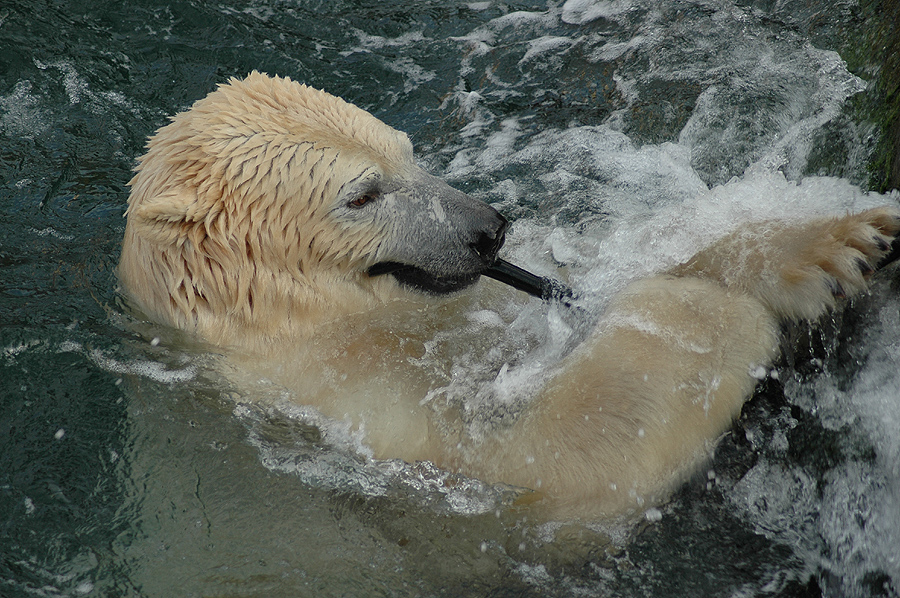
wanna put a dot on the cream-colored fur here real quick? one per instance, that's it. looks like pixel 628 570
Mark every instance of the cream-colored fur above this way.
pixel 231 236
pixel 225 235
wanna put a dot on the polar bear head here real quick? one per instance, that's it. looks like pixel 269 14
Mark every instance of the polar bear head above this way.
pixel 269 204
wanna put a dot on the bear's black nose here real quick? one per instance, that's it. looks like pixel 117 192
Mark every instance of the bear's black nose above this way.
pixel 489 241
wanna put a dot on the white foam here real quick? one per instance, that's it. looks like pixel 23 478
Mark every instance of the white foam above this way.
pixel 341 467
pixel 579 12
pixel 800 89
pixel 152 370
pixel 644 209
pixel 858 515
pixel 21 114
pixel 370 42
pixel 11 351
pixel 547 43
pixel 614 50
pixel 523 25
pixel 74 84
pixel 525 22
pixel 52 232
pixel 653 515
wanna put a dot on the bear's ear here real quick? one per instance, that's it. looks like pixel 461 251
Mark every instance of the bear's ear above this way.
pixel 167 216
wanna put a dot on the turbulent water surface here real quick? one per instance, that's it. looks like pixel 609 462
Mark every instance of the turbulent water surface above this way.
pixel 618 136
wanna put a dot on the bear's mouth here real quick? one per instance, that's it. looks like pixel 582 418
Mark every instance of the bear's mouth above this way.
pixel 418 279
pixel 421 280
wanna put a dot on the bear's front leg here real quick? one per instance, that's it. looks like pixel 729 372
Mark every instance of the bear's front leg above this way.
pixel 637 407
pixel 634 410
pixel 798 270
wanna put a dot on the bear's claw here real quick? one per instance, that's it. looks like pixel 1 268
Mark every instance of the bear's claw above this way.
pixel 893 254
pixel 837 291
pixel 864 267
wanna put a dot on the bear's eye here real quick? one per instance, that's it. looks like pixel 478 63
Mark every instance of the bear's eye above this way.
pixel 363 200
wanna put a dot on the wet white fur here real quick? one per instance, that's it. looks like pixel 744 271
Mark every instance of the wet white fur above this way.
pixel 228 238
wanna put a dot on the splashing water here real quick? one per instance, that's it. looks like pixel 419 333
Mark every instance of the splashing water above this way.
pixel 618 136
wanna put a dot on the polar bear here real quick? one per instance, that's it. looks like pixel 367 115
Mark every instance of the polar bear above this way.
pixel 295 234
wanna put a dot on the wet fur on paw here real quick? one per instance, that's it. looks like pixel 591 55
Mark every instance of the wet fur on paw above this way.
pixel 799 271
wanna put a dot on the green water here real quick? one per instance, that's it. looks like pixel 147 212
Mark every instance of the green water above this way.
pixel 126 471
